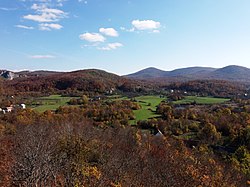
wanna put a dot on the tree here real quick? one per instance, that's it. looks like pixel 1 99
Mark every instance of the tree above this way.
pixel 208 134
pixel 33 150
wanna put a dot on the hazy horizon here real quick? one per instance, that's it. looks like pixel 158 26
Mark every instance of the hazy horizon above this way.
pixel 123 37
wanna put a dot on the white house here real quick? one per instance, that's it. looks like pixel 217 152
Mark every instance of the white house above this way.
pixel 23 106
pixel 9 109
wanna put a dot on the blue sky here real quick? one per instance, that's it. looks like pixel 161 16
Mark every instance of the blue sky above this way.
pixel 123 36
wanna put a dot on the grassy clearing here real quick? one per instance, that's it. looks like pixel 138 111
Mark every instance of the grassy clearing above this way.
pixel 201 100
pixel 51 102
pixel 148 104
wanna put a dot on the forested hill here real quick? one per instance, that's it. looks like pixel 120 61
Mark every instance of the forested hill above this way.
pixel 91 80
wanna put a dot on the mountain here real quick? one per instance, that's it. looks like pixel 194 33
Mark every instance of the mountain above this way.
pixel 230 73
pixel 157 73
pixel 191 71
pixel 148 73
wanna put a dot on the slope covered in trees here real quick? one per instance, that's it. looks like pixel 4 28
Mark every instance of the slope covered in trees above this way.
pixel 83 81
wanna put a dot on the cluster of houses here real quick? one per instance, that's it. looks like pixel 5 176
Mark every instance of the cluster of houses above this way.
pixel 11 108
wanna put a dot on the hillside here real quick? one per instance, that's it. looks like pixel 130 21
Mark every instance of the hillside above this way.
pixel 230 73
pixel 91 80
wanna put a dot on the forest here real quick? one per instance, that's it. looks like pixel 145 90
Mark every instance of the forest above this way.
pixel 91 128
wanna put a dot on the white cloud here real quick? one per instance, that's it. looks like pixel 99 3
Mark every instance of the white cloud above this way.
pixel 156 31
pixel 24 27
pixel 7 9
pixel 60 2
pixel 39 18
pixel 92 37
pixel 49 27
pixel 109 32
pixel 90 45
pixel 45 14
pixel 84 1
pixel 57 12
pixel 110 46
pixel 41 56
pixel 127 30
pixel 38 7
pixel 146 24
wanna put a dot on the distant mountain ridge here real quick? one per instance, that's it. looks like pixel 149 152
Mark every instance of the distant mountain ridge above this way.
pixel 230 73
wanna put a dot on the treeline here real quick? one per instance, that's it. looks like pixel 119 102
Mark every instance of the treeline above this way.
pixel 215 88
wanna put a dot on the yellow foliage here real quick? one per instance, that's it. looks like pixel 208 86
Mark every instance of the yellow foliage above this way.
pixel 203 148
pixel 90 171
pixel 206 180
pixel 138 138
pixel 115 184
pixel 212 161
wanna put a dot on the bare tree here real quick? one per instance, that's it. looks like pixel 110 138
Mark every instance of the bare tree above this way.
pixel 34 163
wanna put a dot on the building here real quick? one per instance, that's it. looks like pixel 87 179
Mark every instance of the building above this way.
pixel 23 106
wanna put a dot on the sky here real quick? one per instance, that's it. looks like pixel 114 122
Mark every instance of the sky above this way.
pixel 123 36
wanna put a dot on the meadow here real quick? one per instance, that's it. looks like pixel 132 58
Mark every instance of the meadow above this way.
pixel 201 100
pixel 51 102
pixel 148 107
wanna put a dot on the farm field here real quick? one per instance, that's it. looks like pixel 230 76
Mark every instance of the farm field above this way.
pixel 51 102
pixel 201 100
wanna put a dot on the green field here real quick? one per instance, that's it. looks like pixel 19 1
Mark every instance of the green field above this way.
pixel 117 98
pixel 201 100
pixel 51 102
pixel 148 104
